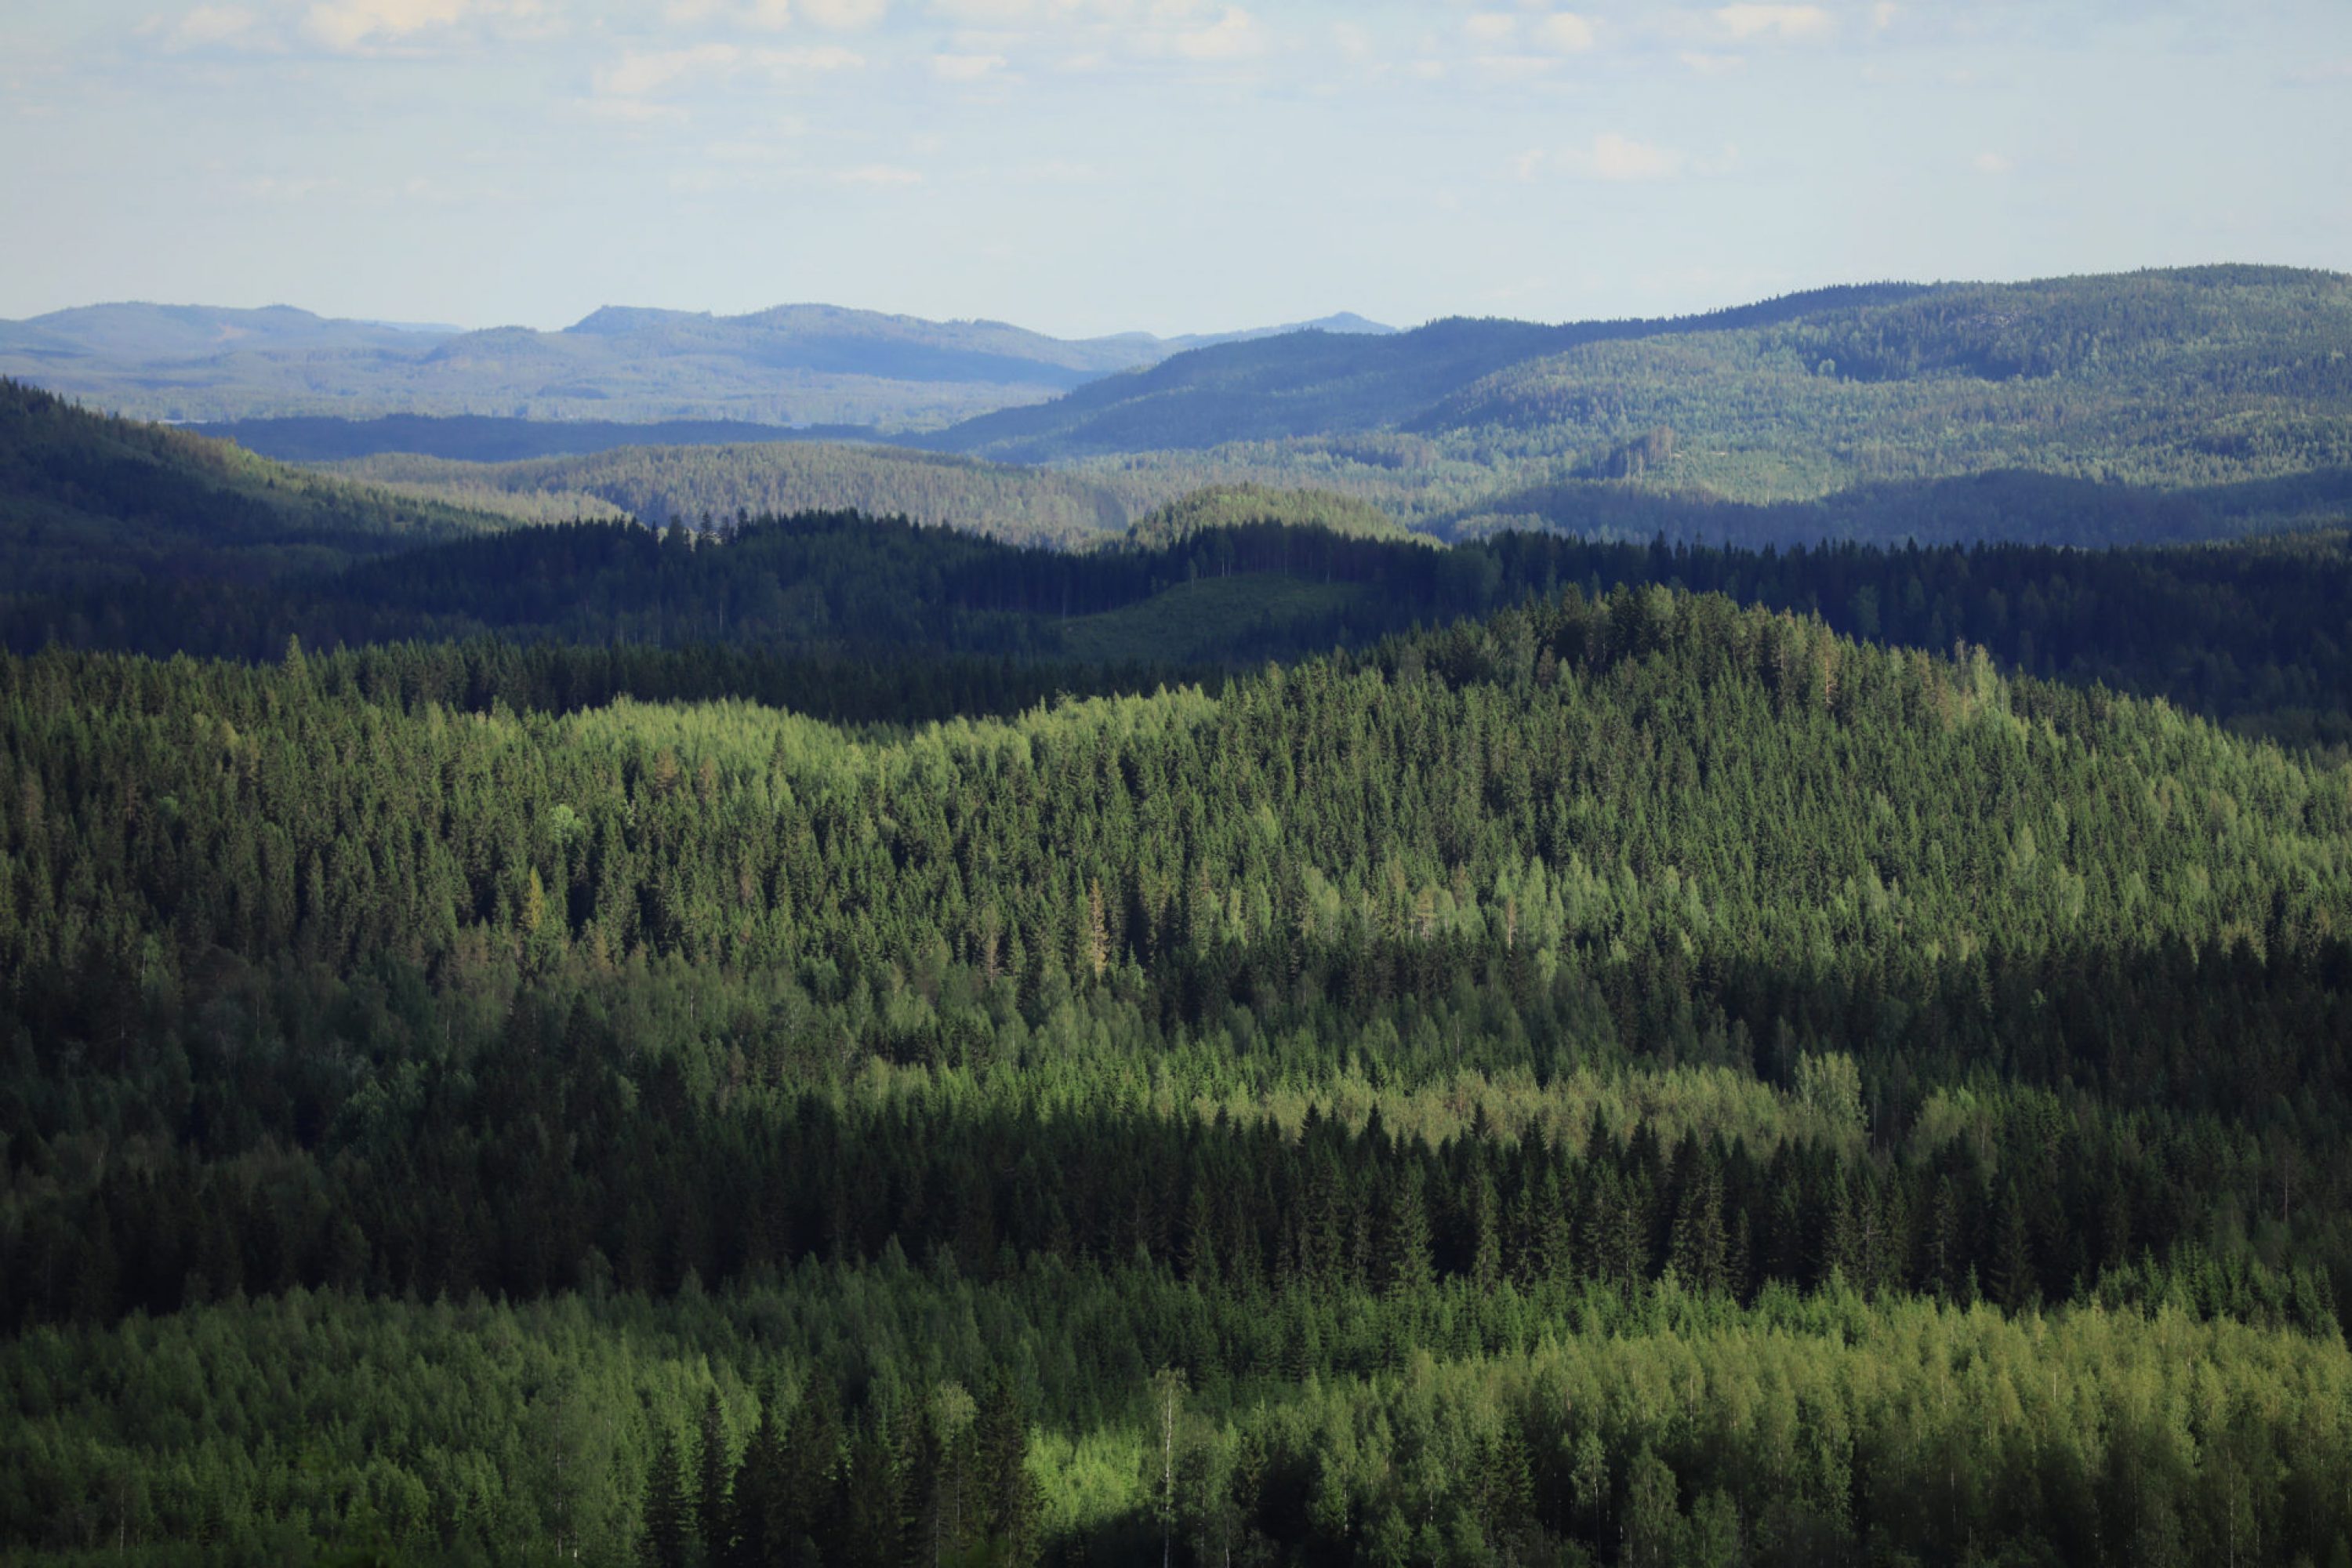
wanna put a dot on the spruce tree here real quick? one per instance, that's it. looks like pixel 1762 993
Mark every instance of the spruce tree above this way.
pixel 662 1531
pixel 711 1470
pixel 1010 1501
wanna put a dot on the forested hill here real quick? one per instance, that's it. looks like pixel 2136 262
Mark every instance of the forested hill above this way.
pixel 86 500
pixel 2176 384
pixel 1312 384
pixel 2153 407
pixel 1629 1071
pixel 2253 633
pixel 704 485
pixel 1246 506
pixel 487 438
pixel 1261 1039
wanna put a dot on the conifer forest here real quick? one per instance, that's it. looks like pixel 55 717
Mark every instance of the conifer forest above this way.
pixel 1271 1000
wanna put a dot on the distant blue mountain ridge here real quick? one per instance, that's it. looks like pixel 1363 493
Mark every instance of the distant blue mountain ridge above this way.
pixel 789 366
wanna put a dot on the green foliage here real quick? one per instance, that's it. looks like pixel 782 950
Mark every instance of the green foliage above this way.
pixel 1233 506
pixel 484 439
pixel 860 1044
pixel 1676 1432
pixel 2251 634
pixel 1312 384
pixel 2219 395
pixel 313 916
pixel 86 500
pixel 721 482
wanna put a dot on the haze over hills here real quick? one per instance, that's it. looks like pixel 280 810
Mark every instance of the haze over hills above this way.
pixel 489 438
pixel 2158 406
pixel 2203 403
pixel 794 364
pixel 2219 398
pixel 2191 361
pixel 707 484
pixel 1269 390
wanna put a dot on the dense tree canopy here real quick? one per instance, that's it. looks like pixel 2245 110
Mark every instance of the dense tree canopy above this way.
pixel 1370 1038
pixel 821 1040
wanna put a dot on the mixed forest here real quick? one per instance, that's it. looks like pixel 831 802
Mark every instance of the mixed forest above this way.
pixel 812 1037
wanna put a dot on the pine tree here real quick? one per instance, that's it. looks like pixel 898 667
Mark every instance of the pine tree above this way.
pixel 757 1533
pixel 711 1470
pixel 1010 1500
pixel 2011 1280
pixel 1168 1389
pixel 662 1535
pixel 1410 1270
pixel 1098 931
pixel 811 1501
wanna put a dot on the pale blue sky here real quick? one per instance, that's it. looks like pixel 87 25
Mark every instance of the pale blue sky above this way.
pixel 1175 165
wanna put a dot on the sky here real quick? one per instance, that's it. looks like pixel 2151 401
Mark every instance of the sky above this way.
pixel 1090 166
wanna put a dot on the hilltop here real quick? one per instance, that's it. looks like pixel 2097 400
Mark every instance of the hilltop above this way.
pixel 791 366
pixel 87 499
pixel 706 484
pixel 2186 403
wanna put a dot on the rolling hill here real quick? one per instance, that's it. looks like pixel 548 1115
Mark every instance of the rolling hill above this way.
pixel 1881 1101
pixel 490 438
pixel 2218 399
pixel 791 365
pixel 86 500
pixel 1319 383
pixel 695 484
pixel 2153 407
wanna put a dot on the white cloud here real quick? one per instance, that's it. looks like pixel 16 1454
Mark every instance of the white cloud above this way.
pixel 633 111
pixel 990 13
pixel 846 14
pixel 1992 164
pixel 1492 27
pixel 1080 35
pixel 768 15
pixel 1615 157
pixel 1758 21
pixel 878 176
pixel 1704 64
pixel 965 67
pixel 1513 45
pixel 1234 35
pixel 1564 32
pixel 356 24
pixel 1046 13
pixel 209 24
pixel 782 64
pixel 1352 42
pixel 640 75
pixel 1883 15
pixel 1609 156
